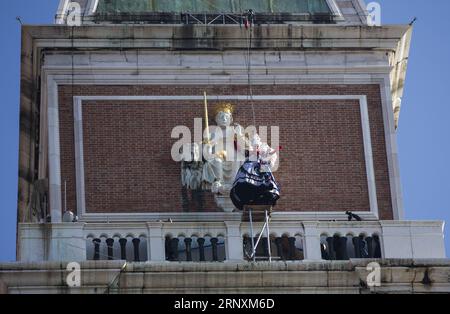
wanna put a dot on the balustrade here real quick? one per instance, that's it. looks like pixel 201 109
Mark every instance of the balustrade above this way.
pixel 116 248
pixel 339 247
pixel 195 249
pixel 211 247
pixel 285 248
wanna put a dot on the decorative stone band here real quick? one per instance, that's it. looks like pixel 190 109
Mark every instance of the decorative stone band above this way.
pixel 397 276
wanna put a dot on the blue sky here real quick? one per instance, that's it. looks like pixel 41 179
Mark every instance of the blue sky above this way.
pixel 423 135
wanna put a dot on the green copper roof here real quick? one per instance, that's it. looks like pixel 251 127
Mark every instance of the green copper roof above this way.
pixel 213 6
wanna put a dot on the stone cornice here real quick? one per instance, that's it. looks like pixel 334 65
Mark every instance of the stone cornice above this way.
pixel 397 276
pixel 219 36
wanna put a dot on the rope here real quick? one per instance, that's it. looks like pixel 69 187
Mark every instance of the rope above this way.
pixel 99 253
pixel 249 66
pixel 116 281
pixel 72 61
pixel 72 80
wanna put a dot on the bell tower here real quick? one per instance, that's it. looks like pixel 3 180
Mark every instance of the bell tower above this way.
pixel 101 182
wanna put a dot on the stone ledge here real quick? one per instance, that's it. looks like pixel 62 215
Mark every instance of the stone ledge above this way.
pixel 220 37
pixel 397 276
pixel 352 264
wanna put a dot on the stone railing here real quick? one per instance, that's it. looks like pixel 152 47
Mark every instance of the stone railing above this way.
pixel 116 241
pixel 129 248
pixel 284 247
pixel 195 248
pixel 339 247
pixel 229 241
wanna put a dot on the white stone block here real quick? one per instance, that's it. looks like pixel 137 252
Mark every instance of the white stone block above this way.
pixel 413 239
pixel 156 245
pixel 31 242
pixel 233 245
pixel 67 242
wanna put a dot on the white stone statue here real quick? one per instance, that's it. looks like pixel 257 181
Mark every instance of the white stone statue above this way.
pixel 192 169
pixel 223 159
pixel 224 152
pixel 260 150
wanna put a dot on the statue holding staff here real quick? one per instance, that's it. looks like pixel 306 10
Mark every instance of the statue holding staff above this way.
pixel 225 150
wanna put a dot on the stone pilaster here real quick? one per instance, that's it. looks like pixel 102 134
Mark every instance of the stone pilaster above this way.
pixel 233 245
pixel 312 241
pixel 156 247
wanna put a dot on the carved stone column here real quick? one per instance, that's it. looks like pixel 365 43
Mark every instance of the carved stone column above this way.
pixel 136 243
pixel 265 247
pixel 292 248
pixel 188 243
pixel 331 250
pixel 377 247
pixel 340 244
pixel 369 241
pixel 201 248
pixel 174 249
pixel 364 249
pixel 109 244
pixel 96 249
pixel 278 244
pixel 357 246
pixel 214 249
pixel 123 249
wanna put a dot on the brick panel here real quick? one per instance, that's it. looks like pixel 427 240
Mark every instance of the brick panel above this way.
pixel 127 147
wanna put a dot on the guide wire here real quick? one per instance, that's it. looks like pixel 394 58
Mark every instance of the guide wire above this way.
pixel 249 26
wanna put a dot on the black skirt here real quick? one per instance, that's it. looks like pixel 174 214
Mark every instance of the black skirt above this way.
pixel 254 187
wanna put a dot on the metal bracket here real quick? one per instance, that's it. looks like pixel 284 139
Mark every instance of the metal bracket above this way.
pixel 250 210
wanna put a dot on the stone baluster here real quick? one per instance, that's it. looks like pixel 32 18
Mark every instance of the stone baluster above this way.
pixel 357 246
pixel 214 249
pixel 343 248
pixel 123 249
pixel 167 248
pixel 246 246
pixel 292 248
pixel 340 246
pixel 363 247
pixel 174 249
pixel 369 241
pixel 109 244
pixel 324 250
pixel 377 246
pixel 265 246
pixel 201 248
pixel 345 255
pixel 136 243
pixel 331 250
pixel 96 249
pixel 188 243
pixel 278 244
pixel 336 246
